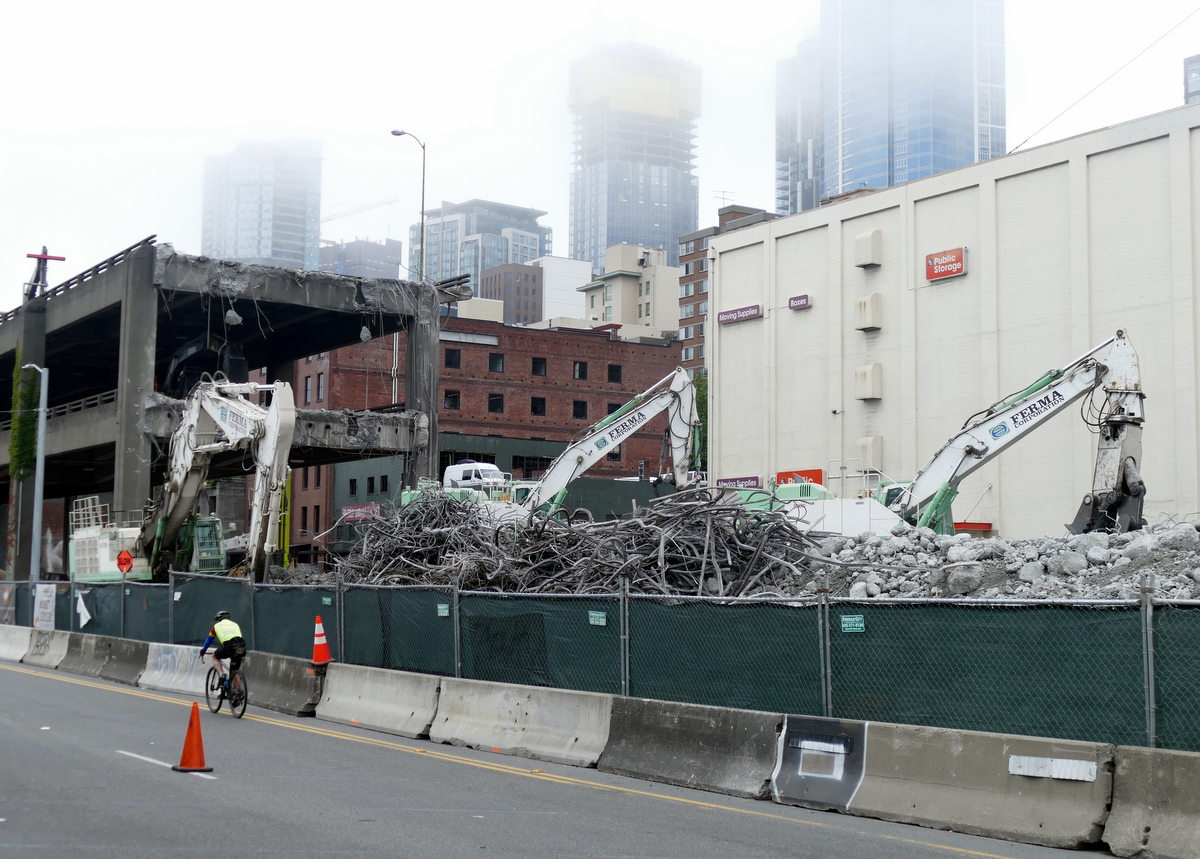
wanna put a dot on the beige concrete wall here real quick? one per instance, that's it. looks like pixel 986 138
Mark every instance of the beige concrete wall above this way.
pixel 1065 244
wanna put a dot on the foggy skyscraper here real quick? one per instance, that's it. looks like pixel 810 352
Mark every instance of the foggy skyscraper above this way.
pixel 887 92
pixel 262 204
pixel 635 110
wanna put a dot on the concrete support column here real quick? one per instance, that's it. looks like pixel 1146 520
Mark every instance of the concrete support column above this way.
pixel 135 375
pixel 32 350
pixel 421 386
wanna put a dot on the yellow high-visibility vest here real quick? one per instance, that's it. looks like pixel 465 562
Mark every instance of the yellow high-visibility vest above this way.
pixel 226 629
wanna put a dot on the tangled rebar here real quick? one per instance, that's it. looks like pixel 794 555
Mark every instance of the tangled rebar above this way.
pixel 689 543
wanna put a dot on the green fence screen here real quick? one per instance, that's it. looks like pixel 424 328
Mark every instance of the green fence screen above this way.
pixel 285 620
pixel 754 656
pixel 195 601
pixel 1047 671
pixel 1177 676
pixel 566 643
pixel 409 629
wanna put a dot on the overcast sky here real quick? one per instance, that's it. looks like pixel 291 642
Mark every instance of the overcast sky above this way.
pixel 109 109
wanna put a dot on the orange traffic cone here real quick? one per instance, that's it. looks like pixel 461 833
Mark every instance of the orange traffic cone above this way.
pixel 192 759
pixel 321 654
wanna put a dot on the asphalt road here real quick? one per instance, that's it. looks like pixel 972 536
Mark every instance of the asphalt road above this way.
pixel 78 777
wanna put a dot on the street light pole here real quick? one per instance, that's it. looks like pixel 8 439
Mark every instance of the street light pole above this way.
pixel 421 258
pixel 39 475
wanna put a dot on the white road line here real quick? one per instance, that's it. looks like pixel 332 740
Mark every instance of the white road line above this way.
pixel 161 763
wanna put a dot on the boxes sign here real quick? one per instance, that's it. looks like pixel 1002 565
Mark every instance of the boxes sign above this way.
pixel 799 302
pixel 740 314
pixel 946 264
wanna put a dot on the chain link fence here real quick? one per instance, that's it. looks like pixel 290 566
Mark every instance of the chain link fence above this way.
pixel 1113 671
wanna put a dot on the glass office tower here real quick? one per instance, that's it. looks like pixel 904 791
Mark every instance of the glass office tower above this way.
pixel 635 110
pixel 887 92
pixel 262 204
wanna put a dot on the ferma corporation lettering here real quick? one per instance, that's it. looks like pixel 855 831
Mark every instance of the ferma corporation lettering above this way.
pixel 1043 406
pixel 627 426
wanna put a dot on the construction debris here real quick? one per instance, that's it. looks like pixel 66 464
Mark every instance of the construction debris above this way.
pixel 689 544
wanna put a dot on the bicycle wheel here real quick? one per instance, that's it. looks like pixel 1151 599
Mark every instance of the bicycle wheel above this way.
pixel 213 693
pixel 238 694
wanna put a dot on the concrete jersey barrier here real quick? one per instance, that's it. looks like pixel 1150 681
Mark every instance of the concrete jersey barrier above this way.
pixel 283 683
pixel 545 724
pixel 47 647
pixel 1156 804
pixel 396 702
pixel 126 661
pixel 1028 789
pixel 174 668
pixel 14 641
pixel 86 654
pixel 710 748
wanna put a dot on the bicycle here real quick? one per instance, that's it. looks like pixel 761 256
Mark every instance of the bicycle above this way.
pixel 236 693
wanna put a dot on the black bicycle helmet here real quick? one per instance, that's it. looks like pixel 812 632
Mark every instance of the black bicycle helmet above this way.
pixel 221 615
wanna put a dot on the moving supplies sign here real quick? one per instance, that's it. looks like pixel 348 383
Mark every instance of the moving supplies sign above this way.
pixel 946 264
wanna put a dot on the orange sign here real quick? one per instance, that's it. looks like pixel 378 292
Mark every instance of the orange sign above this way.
pixel 124 561
pixel 810 475
pixel 946 264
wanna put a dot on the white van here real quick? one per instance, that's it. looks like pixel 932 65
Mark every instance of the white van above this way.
pixel 472 475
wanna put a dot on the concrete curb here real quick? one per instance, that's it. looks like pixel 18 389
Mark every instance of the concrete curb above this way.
pixel 14 641
pixel 47 647
pixel 174 668
pixel 1156 804
pixel 283 683
pixel 710 748
pixel 395 702
pixel 1028 789
pixel 530 722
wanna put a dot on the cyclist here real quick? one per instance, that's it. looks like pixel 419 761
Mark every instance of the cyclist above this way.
pixel 230 644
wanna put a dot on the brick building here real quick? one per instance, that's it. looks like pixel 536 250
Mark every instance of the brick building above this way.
pixel 693 280
pixel 509 394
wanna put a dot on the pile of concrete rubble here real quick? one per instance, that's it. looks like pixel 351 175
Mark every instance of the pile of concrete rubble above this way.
pixel 916 562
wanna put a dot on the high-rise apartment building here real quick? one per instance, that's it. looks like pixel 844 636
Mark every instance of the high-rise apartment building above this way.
pixel 634 183
pixel 637 288
pixel 262 204
pixel 888 92
pixel 362 258
pixel 466 238
pixel 1191 80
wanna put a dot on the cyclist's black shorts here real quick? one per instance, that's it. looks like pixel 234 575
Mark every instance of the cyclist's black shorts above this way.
pixel 233 650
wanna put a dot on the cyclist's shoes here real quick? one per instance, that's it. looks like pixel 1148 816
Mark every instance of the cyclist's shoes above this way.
pixel 225 680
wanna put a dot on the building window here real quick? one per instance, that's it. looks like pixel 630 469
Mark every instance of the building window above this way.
pixel 453 359
pixel 686 289
pixel 537 406
pixel 496 403
pixel 639 311
pixel 702 286
pixel 647 308
pixel 370 485
pixel 614 455
pixel 308 359
pixel 539 366
pixel 579 410
pixel 383 483
pixel 613 408
pixel 702 308
pixel 316 519
pixel 496 362
pixel 687 311
pixel 353 486
pixel 700 330
pixel 689 353
pixel 593 301
pixel 307 390
pixel 608 314
pixel 320 387
pixel 614 373
pixel 689 268
pixel 450 400
pixel 685 333
pixel 303 520
pixel 581 370
pixel 700 351
pixel 318 476
pixel 702 264
pixel 607 292
pixel 304 477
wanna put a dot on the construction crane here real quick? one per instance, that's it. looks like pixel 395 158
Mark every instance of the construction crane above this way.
pixel 357 209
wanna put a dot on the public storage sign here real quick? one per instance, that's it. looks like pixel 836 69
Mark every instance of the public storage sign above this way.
pixel 946 264
pixel 740 314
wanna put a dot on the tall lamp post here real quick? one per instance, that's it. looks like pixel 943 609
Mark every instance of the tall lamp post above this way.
pixel 39 476
pixel 421 258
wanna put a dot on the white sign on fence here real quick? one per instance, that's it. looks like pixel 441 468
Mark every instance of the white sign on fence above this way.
pixel 43 606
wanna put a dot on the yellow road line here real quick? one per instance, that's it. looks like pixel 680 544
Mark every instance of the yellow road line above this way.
pixel 504 769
